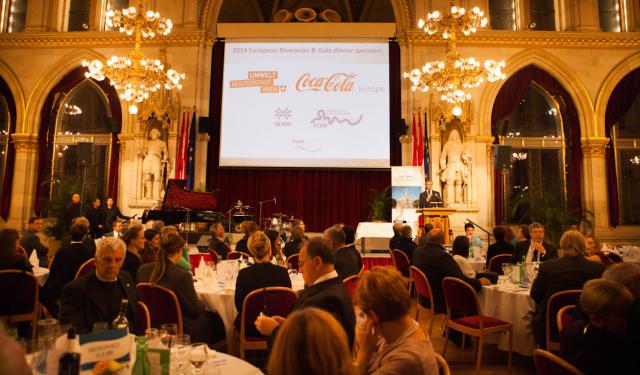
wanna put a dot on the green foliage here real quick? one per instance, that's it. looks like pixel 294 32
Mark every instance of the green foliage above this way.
pixel 55 207
pixel 379 204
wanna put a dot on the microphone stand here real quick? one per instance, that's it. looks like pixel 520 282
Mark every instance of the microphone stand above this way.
pixel 260 204
pixel 228 214
pixel 482 229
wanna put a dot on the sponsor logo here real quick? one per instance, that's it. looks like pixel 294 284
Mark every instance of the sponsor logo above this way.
pixel 308 145
pixel 282 117
pixel 338 82
pixel 326 118
pixel 265 80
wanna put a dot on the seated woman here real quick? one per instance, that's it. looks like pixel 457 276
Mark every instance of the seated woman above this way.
pixel 276 246
pixel 219 243
pixel 203 326
pixel 295 350
pixel 151 244
pixel 260 275
pixel 390 340
pixel 405 242
pixel 595 254
pixel 294 246
pixel 597 345
pixel 184 262
pixel 460 252
pixel 10 259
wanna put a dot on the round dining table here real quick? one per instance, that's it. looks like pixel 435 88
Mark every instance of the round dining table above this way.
pixel 230 365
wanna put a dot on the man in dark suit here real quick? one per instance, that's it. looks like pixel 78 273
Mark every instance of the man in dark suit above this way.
pixel 117 229
pixel 73 210
pixel 345 262
pixel 95 215
pixel 533 249
pixel 436 264
pixel 323 289
pixel 397 234
pixel 111 214
pixel 96 297
pixel 500 246
pixel 30 241
pixel 88 241
pixel 349 240
pixel 64 267
pixel 430 197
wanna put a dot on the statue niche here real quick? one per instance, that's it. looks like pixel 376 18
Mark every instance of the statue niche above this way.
pixel 155 159
pixel 455 166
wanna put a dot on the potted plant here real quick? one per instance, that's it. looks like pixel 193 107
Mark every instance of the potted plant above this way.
pixel 379 204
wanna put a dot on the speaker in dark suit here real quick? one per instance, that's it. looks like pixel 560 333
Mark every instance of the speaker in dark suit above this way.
pixel 430 197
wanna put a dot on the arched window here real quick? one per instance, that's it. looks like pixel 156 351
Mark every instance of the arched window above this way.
pixel 610 15
pixel 626 139
pixel 502 14
pixel 5 123
pixel 534 130
pixel 13 14
pixel 84 116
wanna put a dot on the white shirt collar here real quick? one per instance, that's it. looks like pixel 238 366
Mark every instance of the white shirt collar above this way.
pixel 328 276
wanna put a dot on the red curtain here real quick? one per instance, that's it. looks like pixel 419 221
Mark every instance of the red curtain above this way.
pixel 621 99
pixel 46 131
pixel 5 193
pixel 508 99
pixel 320 197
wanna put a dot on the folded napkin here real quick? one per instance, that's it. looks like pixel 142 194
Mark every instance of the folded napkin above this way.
pixel 33 259
pixel 200 270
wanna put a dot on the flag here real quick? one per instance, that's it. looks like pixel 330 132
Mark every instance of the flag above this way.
pixel 191 153
pixel 420 140
pixel 181 156
pixel 414 134
pixel 427 160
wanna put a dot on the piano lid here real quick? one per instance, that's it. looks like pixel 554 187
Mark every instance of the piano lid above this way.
pixel 178 197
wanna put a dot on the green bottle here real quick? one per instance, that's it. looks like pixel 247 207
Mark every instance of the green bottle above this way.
pixel 142 365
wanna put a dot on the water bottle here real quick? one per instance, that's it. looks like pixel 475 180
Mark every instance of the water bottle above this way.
pixel 142 365
pixel 70 361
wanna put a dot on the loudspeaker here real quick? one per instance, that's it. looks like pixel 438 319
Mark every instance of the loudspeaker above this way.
pixel 204 124
pixel 85 153
pixel 502 156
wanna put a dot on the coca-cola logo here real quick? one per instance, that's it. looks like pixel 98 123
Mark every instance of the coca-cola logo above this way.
pixel 337 82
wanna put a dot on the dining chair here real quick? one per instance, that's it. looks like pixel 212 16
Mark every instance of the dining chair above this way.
pixel 294 261
pixel 270 301
pixel 86 268
pixel 495 264
pixel 423 296
pixel 554 304
pixel 565 316
pixel 402 264
pixel 19 298
pixel 443 366
pixel 162 304
pixel 548 363
pixel 143 319
pixel 462 300
pixel 234 255
pixel 351 283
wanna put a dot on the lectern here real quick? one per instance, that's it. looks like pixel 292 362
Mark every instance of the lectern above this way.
pixel 439 218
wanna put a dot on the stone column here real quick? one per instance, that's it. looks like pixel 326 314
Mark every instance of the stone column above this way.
pixel 594 181
pixel 483 179
pixel 24 180
pixel 406 141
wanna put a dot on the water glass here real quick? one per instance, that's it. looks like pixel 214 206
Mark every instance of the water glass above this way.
pixel 48 328
pixel 165 338
pixel 152 334
pixel 171 328
pixel 198 355
pixel 506 270
pixel 182 340
pixel 100 327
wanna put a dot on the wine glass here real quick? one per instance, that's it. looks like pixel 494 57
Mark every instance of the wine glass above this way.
pixel 165 338
pixel 198 355
pixel 171 328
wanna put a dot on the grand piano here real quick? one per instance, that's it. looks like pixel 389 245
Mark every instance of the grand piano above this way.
pixel 181 205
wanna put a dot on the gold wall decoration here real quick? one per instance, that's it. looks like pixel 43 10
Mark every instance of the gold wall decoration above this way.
pixel 25 142
pixel 595 147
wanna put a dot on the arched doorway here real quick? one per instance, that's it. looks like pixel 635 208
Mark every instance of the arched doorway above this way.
pixel 7 151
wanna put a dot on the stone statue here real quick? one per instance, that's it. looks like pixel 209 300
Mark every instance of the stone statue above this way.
pixel 454 169
pixel 155 158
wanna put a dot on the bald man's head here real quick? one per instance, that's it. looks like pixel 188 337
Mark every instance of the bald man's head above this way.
pixel 435 236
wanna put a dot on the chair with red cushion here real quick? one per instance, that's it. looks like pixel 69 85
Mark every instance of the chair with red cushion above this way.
pixel 19 298
pixel 270 301
pixel 565 316
pixel 461 300
pixel 351 283
pixel 143 319
pixel 162 303
pixel 194 259
pixel 400 261
pixel 294 261
pixel 550 364
pixel 423 292
pixel 235 255
pixel 556 302
pixel 86 268
pixel 495 264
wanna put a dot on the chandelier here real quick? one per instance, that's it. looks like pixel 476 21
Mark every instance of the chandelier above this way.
pixel 135 76
pixel 453 76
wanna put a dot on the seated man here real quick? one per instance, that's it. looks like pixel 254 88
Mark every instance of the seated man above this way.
pixel 397 234
pixel 323 289
pixel 117 229
pixel 535 249
pixel 30 241
pixel 96 297
pixel 345 262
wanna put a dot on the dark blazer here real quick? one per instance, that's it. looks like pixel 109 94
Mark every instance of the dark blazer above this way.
pixel 82 306
pixel 498 248
pixel 394 241
pixel 19 263
pixel 110 215
pixel 258 276
pixel 89 242
pixel 131 263
pixel 555 276
pixel 96 218
pixel 522 247
pixel 220 247
pixel 65 265
pixel 436 264
pixel 30 241
pixel 292 247
pixel 71 211
pixel 435 198
pixel 346 262
pixel 407 246
pixel 195 322
pixel 242 245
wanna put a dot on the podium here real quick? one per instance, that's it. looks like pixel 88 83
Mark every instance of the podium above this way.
pixel 439 218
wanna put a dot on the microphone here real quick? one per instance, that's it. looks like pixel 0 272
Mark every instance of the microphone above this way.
pixel 274 200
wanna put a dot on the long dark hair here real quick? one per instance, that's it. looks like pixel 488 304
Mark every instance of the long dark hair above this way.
pixel 169 246
pixel 461 246
pixel 8 249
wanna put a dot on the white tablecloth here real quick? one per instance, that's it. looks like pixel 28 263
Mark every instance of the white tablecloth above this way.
pixel 514 306
pixel 477 264
pixel 41 274
pixel 376 236
pixel 230 365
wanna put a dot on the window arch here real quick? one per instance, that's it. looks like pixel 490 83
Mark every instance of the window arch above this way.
pixel 7 150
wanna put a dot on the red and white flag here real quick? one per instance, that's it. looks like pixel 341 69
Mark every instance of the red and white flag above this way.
pixel 183 144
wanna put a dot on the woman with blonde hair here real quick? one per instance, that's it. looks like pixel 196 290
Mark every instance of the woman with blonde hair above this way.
pixel 390 341
pixel 311 342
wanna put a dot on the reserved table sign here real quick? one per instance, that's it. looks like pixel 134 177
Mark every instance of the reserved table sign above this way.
pixel 106 352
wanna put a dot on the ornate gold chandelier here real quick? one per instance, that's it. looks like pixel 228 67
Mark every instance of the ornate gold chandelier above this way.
pixel 135 76
pixel 451 77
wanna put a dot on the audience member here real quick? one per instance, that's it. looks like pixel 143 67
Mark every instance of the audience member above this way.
pixel 219 243
pixel 422 241
pixel 311 342
pixel 390 340
pixel 628 274
pixel 570 271
pixel 65 266
pixel 111 214
pixel 201 325
pixel 10 259
pixel 436 264
pixel 88 240
pixel 30 241
pixel 523 242
pixel 460 253
pixel 299 223
pixel 349 240
pixel 598 345
pixel 509 236
pixel 474 239
pixel 149 253
pixel 157 225
pixel 133 236
pixel 323 289
pixel 534 249
pixel 294 246
pixel 12 356
pixel 260 275
pixel 276 245
pixel 248 228
pixel 595 254
pixel 116 229
pixel 183 263
pixel 397 234
pixel 501 246
pixel 405 242
pixel 96 217
pixel 96 297
pixel 346 263
pixel 72 211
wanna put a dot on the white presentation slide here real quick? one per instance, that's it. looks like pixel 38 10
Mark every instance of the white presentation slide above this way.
pixel 319 105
